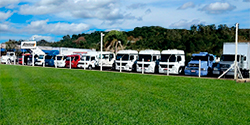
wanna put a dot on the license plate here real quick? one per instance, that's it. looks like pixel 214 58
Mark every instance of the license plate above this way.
pixel 192 70
pixel 165 69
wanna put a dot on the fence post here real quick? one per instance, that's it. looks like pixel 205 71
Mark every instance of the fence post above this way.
pixel 199 68
pixel 120 64
pixel 168 68
pixel 55 62
pixel 69 62
pixel 43 60
pixel 84 62
pixel 23 59
pixel 143 66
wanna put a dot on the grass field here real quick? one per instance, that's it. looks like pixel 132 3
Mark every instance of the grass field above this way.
pixel 36 95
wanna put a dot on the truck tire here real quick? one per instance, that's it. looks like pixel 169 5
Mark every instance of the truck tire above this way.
pixel 209 72
pixel 181 71
pixel 90 67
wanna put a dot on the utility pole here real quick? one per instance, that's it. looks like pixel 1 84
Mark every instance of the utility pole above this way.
pixel 101 49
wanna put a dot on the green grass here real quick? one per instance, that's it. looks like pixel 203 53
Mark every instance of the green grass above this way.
pixel 36 95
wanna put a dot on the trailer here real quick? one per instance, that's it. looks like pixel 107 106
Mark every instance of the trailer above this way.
pixel 125 60
pixel 147 61
pixel 172 61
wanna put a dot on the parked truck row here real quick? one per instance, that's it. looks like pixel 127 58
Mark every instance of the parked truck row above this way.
pixel 169 61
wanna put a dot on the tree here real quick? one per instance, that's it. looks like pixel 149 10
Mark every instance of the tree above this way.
pixel 112 39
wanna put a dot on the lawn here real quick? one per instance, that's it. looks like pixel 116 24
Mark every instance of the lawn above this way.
pixel 36 95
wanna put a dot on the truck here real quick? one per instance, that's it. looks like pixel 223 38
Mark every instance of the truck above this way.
pixel 228 57
pixel 206 68
pixel 88 60
pixel 172 61
pixel 8 58
pixel 147 61
pixel 125 59
pixel 50 57
pixel 107 59
pixel 74 60
pixel 60 60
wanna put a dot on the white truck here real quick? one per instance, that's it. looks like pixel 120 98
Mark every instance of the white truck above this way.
pixel 60 60
pixel 8 58
pixel 108 59
pixel 88 61
pixel 41 56
pixel 172 61
pixel 147 61
pixel 125 59
pixel 228 57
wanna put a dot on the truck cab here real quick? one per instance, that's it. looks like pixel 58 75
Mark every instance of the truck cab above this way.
pixel 61 60
pixel 8 58
pixel 40 60
pixel 227 60
pixel 74 60
pixel 125 59
pixel 172 61
pixel 108 59
pixel 148 59
pixel 206 66
pixel 88 61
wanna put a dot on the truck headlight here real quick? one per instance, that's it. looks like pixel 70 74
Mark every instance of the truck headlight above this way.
pixel 216 69
pixel 187 68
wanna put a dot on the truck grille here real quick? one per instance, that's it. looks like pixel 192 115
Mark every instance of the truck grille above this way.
pixel 166 66
pixel 193 65
pixel 225 65
pixel 123 64
pixel 145 65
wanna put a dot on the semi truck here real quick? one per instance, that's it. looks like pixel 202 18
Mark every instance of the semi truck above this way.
pixel 125 60
pixel 74 60
pixel 88 60
pixel 206 64
pixel 107 58
pixel 172 61
pixel 228 57
pixel 147 61
pixel 8 58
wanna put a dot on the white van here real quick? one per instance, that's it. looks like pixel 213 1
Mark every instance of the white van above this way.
pixel 148 59
pixel 128 58
pixel 88 61
pixel 172 61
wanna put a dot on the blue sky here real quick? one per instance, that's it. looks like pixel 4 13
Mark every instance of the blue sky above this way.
pixel 52 19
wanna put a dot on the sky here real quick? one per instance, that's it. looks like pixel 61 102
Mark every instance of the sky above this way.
pixel 53 19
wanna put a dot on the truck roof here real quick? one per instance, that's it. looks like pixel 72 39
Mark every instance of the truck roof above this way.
pixel 154 52
pixel 172 51
pixel 127 52
pixel 202 54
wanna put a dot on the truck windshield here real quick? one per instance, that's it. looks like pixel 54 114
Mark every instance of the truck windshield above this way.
pixel 165 57
pixel 86 58
pixel 123 56
pixel 202 58
pixel 68 58
pixel 147 58
pixel 59 57
pixel 229 57
pixel 48 57
pixel 40 57
pixel 104 56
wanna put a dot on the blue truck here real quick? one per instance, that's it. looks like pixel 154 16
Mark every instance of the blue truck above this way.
pixel 206 68
pixel 50 57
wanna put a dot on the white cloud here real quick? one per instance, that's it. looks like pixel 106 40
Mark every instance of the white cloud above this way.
pixel 136 6
pixel 7 2
pixel 187 5
pixel 39 37
pixel 4 16
pixel 4 27
pixel 246 0
pixel 217 8
pixel 43 27
pixel 185 24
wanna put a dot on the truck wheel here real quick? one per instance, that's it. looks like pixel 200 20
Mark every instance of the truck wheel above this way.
pixel 209 72
pixel 90 67
pixel 181 71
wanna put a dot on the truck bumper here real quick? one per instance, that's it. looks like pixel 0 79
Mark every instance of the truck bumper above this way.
pixel 170 71
pixel 146 70
pixel 196 72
